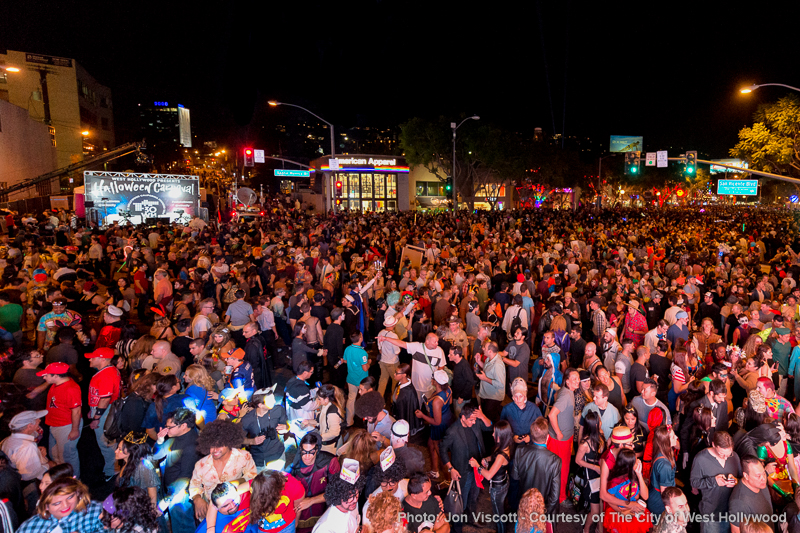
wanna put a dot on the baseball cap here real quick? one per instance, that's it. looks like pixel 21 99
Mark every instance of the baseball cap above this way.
pixel 54 368
pixel 236 353
pixel 105 353
pixel 24 418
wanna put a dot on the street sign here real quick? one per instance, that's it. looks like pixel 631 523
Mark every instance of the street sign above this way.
pixel 292 173
pixel 333 164
pixel 259 155
pixel 661 159
pixel 650 159
pixel 738 187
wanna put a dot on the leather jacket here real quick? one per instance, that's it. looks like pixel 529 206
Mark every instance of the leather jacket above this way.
pixel 537 467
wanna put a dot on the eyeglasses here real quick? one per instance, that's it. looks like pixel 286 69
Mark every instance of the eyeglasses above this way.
pixel 170 427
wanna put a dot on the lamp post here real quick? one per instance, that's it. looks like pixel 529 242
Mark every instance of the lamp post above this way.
pixel 275 103
pixel 453 162
pixel 752 88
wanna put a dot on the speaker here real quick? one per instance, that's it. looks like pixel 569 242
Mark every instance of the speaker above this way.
pixel 88 204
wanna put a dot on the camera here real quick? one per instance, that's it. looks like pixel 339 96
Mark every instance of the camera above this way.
pixel 269 433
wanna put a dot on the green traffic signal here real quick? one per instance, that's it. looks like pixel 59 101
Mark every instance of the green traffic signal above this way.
pixel 448 187
pixel 689 170
pixel 634 170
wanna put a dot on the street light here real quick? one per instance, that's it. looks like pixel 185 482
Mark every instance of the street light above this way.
pixel 11 69
pixel 453 170
pixel 275 103
pixel 751 88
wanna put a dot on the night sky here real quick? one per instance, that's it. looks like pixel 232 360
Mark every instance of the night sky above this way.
pixel 670 72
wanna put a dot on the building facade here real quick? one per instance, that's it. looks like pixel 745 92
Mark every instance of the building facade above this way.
pixel 363 182
pixel 27 150
pixel 166 129
pixel 60 93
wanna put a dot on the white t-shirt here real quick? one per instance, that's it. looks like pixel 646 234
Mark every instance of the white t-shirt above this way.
pixel 200 324
pixel 335 521
pixel 390 354
pixel 421 373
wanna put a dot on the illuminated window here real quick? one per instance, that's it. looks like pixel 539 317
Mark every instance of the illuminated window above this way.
pixel 366 185
pixel 380 186
pixel 353 186
pixel 391 187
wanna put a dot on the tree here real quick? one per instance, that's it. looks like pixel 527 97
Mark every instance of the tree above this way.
pixel 428 143
pixel 772 144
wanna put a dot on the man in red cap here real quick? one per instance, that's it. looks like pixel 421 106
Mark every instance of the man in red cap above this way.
pixel 104 388
pixel 63 415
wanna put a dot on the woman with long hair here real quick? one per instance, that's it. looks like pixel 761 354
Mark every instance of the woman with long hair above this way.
pixel 129 510
pixel 220 342
pixel 662 473
pixel 65 504
pixel 752 344
pixel 630 420
pixel 623 488
pixel 202 391
pixel 140 350
pixel 166 400
pixel 590 447
pixel 122 295
pixel 141 390
pixel 330 421
pixel 680 379
pixel 360 447
pixel 127 339
pixel 495 468
pixel 137 470
pixel 704 422
pixel 272 503
pixel 440 417
pixel 531 509
pixel 383 514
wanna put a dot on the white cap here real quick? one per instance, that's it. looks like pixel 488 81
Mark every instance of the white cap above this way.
pixel 400 431
pixel 24 418
pixel 389 321
pixel 113 310
pixel 441 377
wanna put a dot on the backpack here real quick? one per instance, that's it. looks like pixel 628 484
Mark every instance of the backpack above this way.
pixel 111 429
pixel 516 322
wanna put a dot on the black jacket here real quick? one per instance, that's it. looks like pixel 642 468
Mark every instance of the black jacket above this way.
pixel 537 467
pixel 453 448
pixel 255 354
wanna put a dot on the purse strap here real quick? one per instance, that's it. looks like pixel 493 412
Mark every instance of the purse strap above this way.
pixel 456 484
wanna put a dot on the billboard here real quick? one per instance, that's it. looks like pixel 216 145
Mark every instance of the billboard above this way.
pixel 738 187
pixel 626 143
pixel 738 163
pixel 141 196
pixel 184 127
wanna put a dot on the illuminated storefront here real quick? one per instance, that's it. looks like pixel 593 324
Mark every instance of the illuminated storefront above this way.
pixel 364 182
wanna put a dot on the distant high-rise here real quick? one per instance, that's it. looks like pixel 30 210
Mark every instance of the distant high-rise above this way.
pixel 166 128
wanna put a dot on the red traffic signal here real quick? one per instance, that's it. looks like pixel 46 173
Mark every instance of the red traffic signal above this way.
pixel 248 158
pixel 338 189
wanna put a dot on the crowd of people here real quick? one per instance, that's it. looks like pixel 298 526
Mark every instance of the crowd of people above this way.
pixel 626 366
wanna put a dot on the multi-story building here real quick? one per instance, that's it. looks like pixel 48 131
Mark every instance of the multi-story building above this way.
pixel 62 94
pixel 166 129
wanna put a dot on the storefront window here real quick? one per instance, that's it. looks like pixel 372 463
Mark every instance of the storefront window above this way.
pixel 366 185
pixel 366 205
pixel 422 189
pixel 380 185
pixel 380 206
pixel 353 186
pixel 391 185
pixel 391 205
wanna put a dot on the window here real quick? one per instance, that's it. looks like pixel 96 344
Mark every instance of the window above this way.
pixel 366 186
pixel 380 186
pixel 3 77
pixel 353 186
pixel 52 132
pixel 391 186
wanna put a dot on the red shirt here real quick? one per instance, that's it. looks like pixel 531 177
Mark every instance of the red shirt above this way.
pixel 284 514
pixel 61 399
pixel 141 277
pixel 106 383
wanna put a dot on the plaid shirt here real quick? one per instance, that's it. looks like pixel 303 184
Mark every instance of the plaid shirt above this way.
pixel 86 522
pixel 599 323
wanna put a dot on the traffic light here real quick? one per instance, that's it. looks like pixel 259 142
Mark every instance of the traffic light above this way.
pixel 249 161
pixel 338 188
pixel 632 160
pixel 448 186
pixel 691 163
